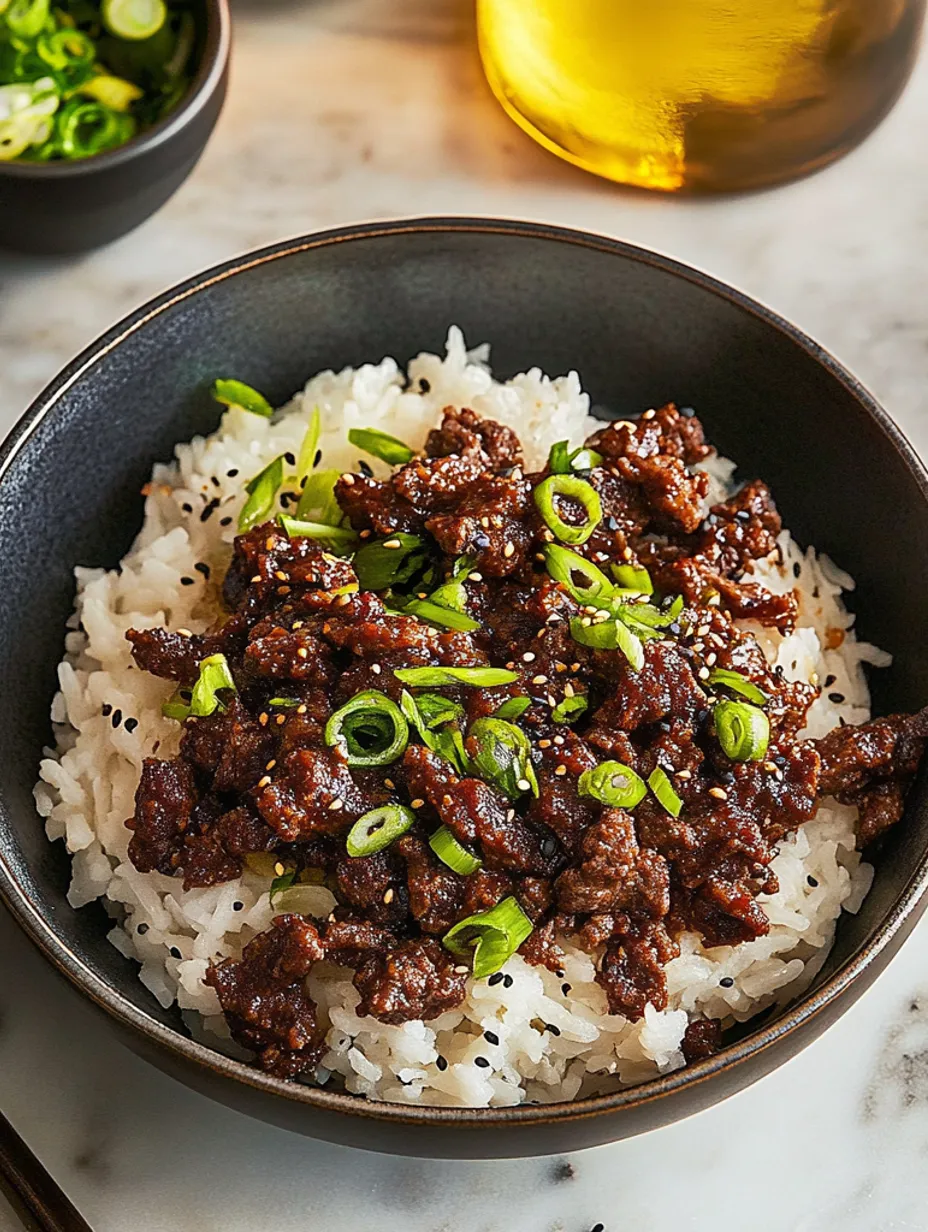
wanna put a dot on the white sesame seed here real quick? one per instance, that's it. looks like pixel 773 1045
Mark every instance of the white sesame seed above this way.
pixel 279 869
pixel 388 897
pixel 392 543
pixel 509 550
pixel 719 792
pixel 523 784
pixel 704 673
pixel 529 656
pixel 348 479
pixel 264 781
pixel 376 669
pixel 539 680
pixel 418 802
pixel 561 770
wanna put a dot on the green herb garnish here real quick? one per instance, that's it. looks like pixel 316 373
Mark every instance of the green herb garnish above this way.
pixel 370 728
pixel 570 487
pixel 435 677
pixel 378 829
pixel 262 492
pixel 501 754
pixel 452 853
pixel 613 784
pixel 743 730
pixel 381 445
pixel 492 937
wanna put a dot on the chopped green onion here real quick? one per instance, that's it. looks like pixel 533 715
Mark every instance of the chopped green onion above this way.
pixel 743 730
pixel 513 708
pixel 262 492
pixel 634 577
pixel 436 709
pixel 447 742
pixel 646 614
pixel 306 458
pixel 582 579
pixel 204 696
pixel 280 884
pixel 451 595
pixel 568 487
pixel 494 936
pixel 285 703
pixel 66 50
pixel 296 529
pixel 178 706
pixel 584 459
pixel 613 784
pixel 438 615
pixel 570 708
pixel 738 684
pixel 502 756
pixel 113 92
pixel 370 728
pixel 237 393
pixel 381 445
pixel 89 128
pixel 26 18
pixel 378 829
pixel 436 677
pixel 318 502
pixel 609 635
pixel 452 853
pixel 379 567
pixel 662 787
pixel 134 19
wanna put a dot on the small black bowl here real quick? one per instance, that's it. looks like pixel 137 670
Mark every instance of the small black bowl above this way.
pixel 640 329
pixel 68 207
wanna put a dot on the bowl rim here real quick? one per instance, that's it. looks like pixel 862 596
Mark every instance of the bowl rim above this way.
pixel 206 80
pixel 185 1049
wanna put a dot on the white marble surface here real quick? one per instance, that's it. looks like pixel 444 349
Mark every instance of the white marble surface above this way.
pixel 344 110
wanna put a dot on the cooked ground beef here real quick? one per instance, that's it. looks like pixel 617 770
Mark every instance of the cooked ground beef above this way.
pixel 622 878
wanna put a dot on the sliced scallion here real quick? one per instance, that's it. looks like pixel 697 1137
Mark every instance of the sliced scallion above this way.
pixel 435 614
pixel 306 458
pixel 262 492
pixel 237 393
pixel 502 756
pixel 378 829
pixel 285 703
pixel 568 487
pixel 214 675
pixel 381 445
pixel 134 19
pixel 570 708
pixel 738 684
pixel 280 884
pixel 743 730
pixel 379 566
pixel 584 459
pixel 492 936
pixel 370 728
pixel 452 853
pixel 317 501
pixel 436 709
pixel 513 708
pixel 580 577
pixel 609 635
pixel 634 577
pixel 613 784
pixel 341 536
pixel 662 787
pixel 437 729
pixel 436 677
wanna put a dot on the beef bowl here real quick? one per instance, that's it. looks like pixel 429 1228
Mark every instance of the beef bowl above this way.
pixel 463 763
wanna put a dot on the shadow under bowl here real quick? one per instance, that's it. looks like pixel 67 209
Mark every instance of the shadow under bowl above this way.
pixel 640 329
pixel 61 208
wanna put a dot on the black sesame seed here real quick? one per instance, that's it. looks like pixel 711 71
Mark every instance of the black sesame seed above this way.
pixel 837 698
pixel 225 521
pixel 106 710
pixel 187 508
pixel 424 385
pixel 481 541
pixel 238 906
pixel 743 516
pixel 600 1227
pixel 548 846
pixel 175 952
pixel 565 989
pixel 549 1026
pixel 290 458
pixel 441 1064
pixel 142 930
pixel 491 1037
pixel 496 979
pixel 214 481
pixel 208 511
pixel 829 681
pixel 318 458
pixel 131 725
pixel 366 471
pixel 797 569
pixel 842 721
pixel 203 568
pixel 482 1062
pixel 117 718
pixel 186 581
pixel 726 981
pixel 508 981
pixel 813 881
pixel 233 472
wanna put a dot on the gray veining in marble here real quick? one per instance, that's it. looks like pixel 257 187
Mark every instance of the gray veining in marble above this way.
pixel 343 110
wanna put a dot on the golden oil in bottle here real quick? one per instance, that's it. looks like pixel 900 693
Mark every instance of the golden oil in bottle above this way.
pixel 703 95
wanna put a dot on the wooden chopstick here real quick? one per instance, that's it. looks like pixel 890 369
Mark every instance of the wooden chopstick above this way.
pixel 37 1199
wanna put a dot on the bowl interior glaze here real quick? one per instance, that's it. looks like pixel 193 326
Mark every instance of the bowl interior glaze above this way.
pixel 640 330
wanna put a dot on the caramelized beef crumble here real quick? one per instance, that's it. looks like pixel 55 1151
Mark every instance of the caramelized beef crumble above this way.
pixel 623 882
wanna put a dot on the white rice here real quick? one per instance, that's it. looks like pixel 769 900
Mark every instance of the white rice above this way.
pixel 88 780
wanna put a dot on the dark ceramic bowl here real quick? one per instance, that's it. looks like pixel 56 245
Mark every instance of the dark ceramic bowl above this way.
pixel 640 329
pixel 68 207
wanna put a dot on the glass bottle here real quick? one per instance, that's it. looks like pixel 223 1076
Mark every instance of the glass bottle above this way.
pixel 698 95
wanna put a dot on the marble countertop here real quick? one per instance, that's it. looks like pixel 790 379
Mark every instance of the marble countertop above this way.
pixel 343 110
